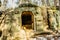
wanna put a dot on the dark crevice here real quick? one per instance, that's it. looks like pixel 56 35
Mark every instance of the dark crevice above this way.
pixel 0 14
pixel 48 20
pixel 0 33
pixel 57 7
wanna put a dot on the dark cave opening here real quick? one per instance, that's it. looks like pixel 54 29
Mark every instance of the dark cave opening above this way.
pixel 26 19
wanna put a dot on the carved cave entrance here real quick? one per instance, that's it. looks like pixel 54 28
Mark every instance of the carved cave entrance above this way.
pixel 27 19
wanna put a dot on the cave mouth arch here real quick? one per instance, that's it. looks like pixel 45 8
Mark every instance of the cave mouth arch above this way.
pixel 27 19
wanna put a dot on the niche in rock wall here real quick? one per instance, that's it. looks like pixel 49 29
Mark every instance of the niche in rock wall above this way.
pixel 27 19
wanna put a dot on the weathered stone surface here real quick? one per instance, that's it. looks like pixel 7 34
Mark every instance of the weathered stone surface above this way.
pixel 11 25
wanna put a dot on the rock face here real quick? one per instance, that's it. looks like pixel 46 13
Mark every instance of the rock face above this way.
pixel 11 22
